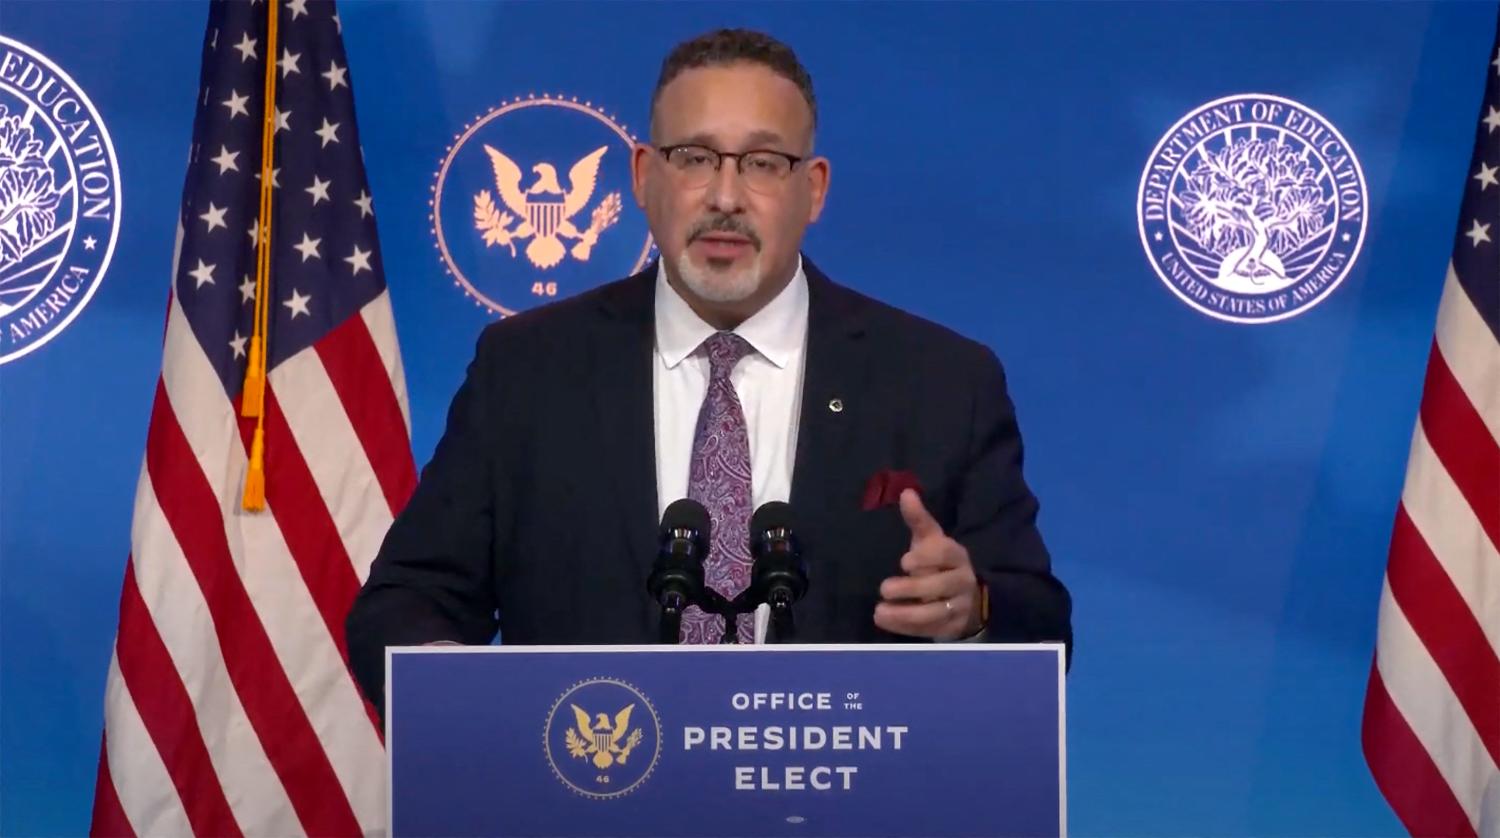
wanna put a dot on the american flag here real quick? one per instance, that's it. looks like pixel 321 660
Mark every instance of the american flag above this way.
pixel 229 707
pixel 1432 710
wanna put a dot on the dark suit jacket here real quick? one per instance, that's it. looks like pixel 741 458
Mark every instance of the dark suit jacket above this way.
pixel 538 512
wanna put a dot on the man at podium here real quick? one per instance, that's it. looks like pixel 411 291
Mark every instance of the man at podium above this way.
pixel 732 372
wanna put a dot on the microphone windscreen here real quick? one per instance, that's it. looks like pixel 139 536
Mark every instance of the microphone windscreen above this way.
pixel 771 515
pixel 687 514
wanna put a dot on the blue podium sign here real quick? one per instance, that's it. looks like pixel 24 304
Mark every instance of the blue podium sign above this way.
pixel 955 739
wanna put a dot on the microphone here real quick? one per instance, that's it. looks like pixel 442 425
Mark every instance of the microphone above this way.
pixel 778 575
pixel 676 579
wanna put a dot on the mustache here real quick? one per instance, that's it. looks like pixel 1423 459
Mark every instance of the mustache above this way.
pixel 723 224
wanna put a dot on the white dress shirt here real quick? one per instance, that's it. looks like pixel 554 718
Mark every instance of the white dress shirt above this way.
pixel 768 381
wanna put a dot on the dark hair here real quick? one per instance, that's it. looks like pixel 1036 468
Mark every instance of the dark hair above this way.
pixel 731 46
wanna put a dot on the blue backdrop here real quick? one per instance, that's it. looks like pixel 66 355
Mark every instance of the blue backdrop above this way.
pixel 1218 496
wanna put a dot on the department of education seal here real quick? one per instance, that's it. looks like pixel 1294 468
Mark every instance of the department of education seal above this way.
pixel 602 738
pixel 1252 208
pixel 532 201
pixel 59 199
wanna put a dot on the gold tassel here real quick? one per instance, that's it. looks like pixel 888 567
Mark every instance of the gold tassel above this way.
pixel 255 478
pixel 253 394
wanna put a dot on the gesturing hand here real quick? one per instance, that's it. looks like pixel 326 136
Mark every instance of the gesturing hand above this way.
pixel 938 597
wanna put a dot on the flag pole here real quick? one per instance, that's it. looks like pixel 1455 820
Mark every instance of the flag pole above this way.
pixel 253 395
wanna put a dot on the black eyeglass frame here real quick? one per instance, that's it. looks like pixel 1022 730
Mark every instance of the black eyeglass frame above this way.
pixel 739 156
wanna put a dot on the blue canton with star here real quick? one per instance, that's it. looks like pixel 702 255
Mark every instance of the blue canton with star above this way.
pixel 1476 248
pixel 325 259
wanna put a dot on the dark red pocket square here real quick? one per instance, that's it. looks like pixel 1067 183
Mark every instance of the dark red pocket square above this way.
pixel 884 488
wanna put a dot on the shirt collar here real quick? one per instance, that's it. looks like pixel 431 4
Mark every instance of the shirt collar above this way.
pixel 777 331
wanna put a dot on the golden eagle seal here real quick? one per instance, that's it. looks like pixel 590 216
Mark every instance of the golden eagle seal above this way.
pixel 544 210
pixel 602 755
pixel 607 744
pixel 527 207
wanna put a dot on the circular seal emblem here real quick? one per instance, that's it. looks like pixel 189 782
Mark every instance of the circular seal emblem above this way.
pixel 532 201
pixel 59 199
pixel 602 738
pixel 1252 208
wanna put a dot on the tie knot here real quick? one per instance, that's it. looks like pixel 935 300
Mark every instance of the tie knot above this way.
pixel 725 349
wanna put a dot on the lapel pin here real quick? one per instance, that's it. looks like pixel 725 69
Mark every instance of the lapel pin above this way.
pixel 836 405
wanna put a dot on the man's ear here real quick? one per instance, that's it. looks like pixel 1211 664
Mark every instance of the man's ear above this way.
pixel 640 161
pixel 819 171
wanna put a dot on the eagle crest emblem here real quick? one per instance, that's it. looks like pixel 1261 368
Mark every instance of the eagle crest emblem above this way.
pixel 602 742
pixel 543 212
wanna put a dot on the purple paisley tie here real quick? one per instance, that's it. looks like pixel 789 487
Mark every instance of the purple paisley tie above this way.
pixel 719 478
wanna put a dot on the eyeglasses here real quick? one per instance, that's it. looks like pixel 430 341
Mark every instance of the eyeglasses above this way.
pixel 762 169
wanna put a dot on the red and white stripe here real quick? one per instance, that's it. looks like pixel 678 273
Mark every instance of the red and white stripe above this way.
pixel 230 709
pixel 1432 713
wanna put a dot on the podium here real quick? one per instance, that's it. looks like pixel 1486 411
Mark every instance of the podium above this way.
pixel 794 740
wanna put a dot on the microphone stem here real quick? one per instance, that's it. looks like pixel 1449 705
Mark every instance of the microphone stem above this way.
pixel 671 620
pixel 783 627
pixel 731 627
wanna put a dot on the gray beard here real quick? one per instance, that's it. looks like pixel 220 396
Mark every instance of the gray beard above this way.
pixel 716 287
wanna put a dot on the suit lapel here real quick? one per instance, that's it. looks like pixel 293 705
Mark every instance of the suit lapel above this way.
pixel 834 389
pixel 620 369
